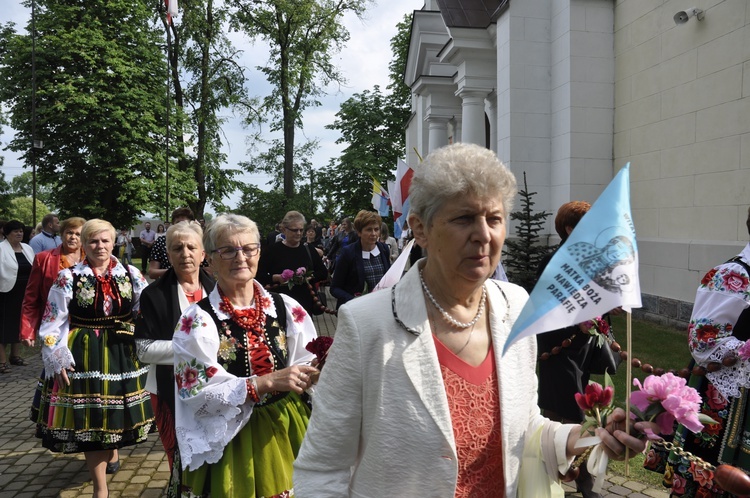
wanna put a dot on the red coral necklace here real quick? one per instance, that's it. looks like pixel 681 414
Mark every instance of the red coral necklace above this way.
pixel 252 320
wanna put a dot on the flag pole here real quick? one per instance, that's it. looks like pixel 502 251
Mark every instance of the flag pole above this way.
pixel 628 386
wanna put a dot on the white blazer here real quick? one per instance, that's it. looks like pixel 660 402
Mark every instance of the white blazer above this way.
pixel 9 264
pixel 381 424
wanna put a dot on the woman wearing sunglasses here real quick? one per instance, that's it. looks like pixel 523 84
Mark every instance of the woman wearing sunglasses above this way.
pixel 290 267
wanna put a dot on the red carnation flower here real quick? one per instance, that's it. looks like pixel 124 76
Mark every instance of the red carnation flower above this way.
pixel 319 347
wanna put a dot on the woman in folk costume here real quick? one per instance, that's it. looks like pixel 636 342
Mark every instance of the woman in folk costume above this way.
pixel 93 398
pixel 240 367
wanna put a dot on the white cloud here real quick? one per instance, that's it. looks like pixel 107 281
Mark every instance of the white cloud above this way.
pixel 363 62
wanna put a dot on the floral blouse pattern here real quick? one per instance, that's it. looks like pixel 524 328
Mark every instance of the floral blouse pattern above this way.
pixel 724 293
pixel 212 405
pixel 55 324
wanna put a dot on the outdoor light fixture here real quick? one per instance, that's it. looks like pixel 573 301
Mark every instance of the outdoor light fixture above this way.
pixel 684 15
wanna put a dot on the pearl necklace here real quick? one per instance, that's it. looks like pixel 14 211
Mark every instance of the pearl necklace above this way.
pixel 446 315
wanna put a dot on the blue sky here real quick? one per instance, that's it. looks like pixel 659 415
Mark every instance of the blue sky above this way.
pixel 364 63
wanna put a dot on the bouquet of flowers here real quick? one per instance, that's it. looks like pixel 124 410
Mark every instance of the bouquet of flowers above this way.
pixel 597 327
pixel 299 277
pixel 660 399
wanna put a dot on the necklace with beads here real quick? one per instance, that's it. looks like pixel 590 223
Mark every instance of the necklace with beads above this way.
pixel 447 316
pixel 252 320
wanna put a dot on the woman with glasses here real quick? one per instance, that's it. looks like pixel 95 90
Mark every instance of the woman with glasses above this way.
pixel 290 267
pixel 240 368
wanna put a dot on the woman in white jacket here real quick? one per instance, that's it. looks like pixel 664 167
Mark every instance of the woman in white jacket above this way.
pixel 416 398
pixel 15 267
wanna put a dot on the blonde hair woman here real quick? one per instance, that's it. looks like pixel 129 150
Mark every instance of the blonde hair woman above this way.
pixel 89 353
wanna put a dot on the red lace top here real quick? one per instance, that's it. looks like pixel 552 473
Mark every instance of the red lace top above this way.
pixel 474 403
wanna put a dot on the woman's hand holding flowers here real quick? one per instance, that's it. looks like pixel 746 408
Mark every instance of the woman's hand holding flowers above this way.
pixel 296 378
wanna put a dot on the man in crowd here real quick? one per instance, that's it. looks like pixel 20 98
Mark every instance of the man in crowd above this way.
pixel 148 237
pixel 48 238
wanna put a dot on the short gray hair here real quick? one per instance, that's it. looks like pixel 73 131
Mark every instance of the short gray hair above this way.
pixel 185 228
pixel 232 223
pixel 459 169
pixel 293 217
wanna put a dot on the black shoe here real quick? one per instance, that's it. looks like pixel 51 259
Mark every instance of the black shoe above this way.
pixel 113 467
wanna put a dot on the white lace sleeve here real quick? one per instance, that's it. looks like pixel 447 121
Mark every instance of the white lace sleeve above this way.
pixel 722 296
pixel 53 330
pixel 210 404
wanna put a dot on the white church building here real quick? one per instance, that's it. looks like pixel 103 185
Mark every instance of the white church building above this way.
pixel 568 91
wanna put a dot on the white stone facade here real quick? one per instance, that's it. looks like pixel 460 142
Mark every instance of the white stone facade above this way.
pixel 568 91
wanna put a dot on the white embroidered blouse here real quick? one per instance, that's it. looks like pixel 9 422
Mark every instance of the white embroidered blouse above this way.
pixel 211 405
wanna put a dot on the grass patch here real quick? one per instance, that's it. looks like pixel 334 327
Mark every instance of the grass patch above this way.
pixel 660 346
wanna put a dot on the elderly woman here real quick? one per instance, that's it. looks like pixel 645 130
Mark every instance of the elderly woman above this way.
pixel 162 304
pixel 89 353
pixel 290 255
pixel 240 366
pixel 47 264
pixel 361 265
pixel 416 389
pixel 15 268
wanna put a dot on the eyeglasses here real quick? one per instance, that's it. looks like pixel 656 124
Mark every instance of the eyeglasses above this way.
pixel 228 253
pixel 295 230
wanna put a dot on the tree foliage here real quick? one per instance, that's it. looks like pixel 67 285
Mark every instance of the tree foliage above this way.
pixel 22 186
pixel 372 124
pixel 97 112
pixel 302 35
pixel 20 209
pixel 268 207
pixel 206 80
pixel 525 252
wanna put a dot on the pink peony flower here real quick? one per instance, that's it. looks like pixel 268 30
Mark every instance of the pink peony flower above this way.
pixel 299 314
pixel 678 401
pixel 287 274
pixel 744 351
pixel 595 396
pixel 301 271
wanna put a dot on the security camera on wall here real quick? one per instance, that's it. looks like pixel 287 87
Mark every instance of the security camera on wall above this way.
pixel 684 15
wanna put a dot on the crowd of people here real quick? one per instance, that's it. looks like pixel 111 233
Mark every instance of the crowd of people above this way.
pixel 218 351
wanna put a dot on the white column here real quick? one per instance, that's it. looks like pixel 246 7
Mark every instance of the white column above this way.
pixel 472 117
pixel 491 107
pixel 438 129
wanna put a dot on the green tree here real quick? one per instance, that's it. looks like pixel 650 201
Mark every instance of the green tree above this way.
pixel 268 207
pixel 21 186
pixel 20 209
pixel 97 112
pixel 302 35
pixel 525 252
pixel 5 195
pixel 206 81
pixel 371 123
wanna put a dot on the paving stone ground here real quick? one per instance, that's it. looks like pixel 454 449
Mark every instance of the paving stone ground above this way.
pixel 28 470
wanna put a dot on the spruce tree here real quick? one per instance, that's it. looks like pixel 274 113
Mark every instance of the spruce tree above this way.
pixel 525 252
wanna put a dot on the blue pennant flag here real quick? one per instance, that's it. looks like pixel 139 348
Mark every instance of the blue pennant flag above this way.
pixel 595 271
